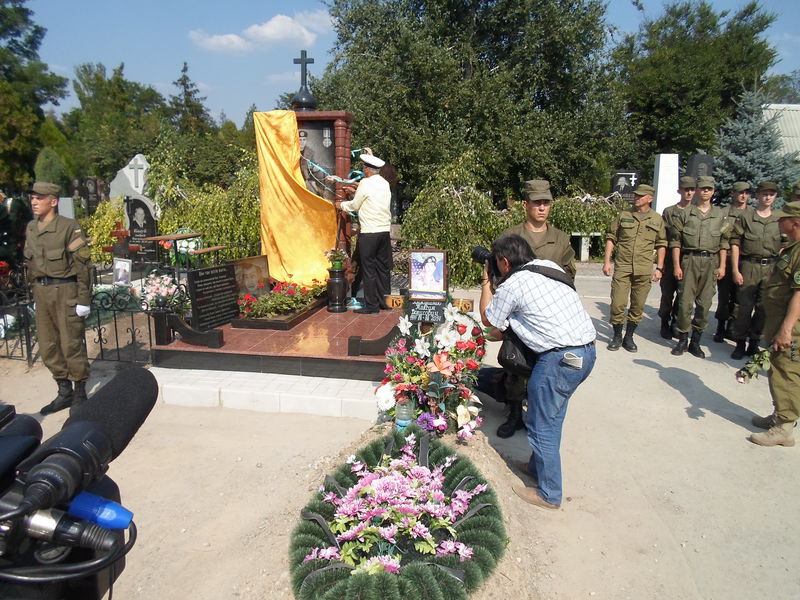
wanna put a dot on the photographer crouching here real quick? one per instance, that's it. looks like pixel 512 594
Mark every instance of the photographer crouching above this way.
pixel 537 300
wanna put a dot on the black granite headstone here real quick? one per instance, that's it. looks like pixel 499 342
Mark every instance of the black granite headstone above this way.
pixel 142 225
pixel 426 311
pixel 700 165
pixel 213 294
pixel 624 182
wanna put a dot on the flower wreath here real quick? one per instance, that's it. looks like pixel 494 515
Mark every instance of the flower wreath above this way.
pixel 406 517
pixel 436 372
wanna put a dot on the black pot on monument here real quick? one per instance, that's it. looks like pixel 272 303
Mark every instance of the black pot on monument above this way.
pixel 337 290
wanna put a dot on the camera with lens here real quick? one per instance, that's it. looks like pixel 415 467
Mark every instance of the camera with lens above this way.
pixel 484 256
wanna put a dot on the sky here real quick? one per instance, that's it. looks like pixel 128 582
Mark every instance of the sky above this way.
pixel 241 52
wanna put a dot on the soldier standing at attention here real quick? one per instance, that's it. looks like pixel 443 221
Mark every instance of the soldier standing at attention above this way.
pixel 636 234
pixel 726 290
pixel 699 247
pixel 755 244
pixel 547 243
pixel 782 334
pixel 58 261
pixel 668 308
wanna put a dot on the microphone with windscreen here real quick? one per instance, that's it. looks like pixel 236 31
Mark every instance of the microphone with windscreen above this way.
pixel 96 432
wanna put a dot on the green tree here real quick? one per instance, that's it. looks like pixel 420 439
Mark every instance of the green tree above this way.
pixel 117 119
pixel 681 74
pixel 186 110
pixel 50 167
pixel 782 89
pixel 25 85
pixel 749 148
pixel 522 83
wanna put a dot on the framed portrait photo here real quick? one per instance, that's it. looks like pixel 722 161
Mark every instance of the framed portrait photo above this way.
pixel 252 275
pixel 427 271
pixel 121 271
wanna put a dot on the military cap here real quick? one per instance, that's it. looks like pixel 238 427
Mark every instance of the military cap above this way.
pixel 796 189
pixel 767 186
pixel 538 189
pixel 644 190
pixel 372 161
pixel 741 186
pixel 706 181
pixel 688 182
pixel 42 188
pixel 790 209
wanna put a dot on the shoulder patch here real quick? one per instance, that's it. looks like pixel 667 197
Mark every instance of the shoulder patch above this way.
pixel 76 244
pixel 624 220
pixel 796 277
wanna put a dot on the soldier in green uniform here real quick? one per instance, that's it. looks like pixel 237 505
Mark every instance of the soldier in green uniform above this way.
pixel 699 247
pixel 755 244
pixel 58 261
pixel 726 290
pixel 668 308
pixel 636 234
pixel 782 335
pixel 547 243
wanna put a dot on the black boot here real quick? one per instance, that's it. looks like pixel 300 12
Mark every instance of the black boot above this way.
pixel 752 348
pixel 79 395
pixel 680 347
pixel 628 342
pixel 514 422
pixel 616 341
pixel 719 335
pixel 62 401
pixel 738 352
pixel 694 344
pixel 666 329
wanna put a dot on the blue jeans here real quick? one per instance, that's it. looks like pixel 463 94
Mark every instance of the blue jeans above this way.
pixel 550 387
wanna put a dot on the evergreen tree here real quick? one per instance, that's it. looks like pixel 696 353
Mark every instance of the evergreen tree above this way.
pixel 749 148
pixel 186 109
pixel 50 167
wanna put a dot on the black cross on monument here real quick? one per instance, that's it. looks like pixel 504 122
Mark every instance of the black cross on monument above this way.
pixel 303 61
pixel 303 100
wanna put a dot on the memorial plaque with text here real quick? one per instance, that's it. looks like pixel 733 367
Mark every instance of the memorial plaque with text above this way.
pixel 426 311
pixel 213 294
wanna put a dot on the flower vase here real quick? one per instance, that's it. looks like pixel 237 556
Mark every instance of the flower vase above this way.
pixel 337 290
pixel 404 414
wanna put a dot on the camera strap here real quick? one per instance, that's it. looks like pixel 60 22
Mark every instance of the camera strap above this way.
pixel 550 272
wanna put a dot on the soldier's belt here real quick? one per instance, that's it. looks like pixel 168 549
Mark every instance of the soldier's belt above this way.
pixel 703 253
pixel 761 261
pixel 55 280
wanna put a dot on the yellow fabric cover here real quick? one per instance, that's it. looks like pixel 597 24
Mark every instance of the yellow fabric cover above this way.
pixel 297 226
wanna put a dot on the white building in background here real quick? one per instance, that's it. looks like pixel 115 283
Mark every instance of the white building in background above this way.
pixel 788 123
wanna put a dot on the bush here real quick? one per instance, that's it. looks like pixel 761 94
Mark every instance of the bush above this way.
pixel 99 226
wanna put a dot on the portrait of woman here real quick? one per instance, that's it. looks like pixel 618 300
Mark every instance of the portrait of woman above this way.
pixel 427 272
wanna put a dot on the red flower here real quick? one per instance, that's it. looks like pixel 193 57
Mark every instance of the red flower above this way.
pixel 481 340
pixel 290 291
pixel 473 364
pixel 476 331
pixel 260 285
pixel 461 345
pixel 480 352
pixel 471 345
pixel 461 329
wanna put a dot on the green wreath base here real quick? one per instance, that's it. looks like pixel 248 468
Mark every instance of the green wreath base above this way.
pixel 425 577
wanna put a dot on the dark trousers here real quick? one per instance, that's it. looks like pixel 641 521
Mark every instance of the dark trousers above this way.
pixel 668 308
pixel 726 295
pixel 375 250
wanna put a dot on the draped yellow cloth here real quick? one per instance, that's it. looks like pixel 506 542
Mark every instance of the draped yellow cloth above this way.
pixel 297 226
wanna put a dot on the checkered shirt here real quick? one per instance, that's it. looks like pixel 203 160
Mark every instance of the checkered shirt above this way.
pixel 543 312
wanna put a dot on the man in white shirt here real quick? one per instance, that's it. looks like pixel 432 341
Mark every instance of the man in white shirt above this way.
pixel 372 202
pixel 549 318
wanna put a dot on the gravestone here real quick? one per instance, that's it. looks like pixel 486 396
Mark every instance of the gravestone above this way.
pixel 666 181
pixel 426 311
pixel 214 294
pixel 624 182
pixel 700 165
pixel 141 213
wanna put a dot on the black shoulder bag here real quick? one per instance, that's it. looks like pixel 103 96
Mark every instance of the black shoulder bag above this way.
pixel 514 356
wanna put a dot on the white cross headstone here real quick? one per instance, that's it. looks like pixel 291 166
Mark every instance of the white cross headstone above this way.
pixel 136 172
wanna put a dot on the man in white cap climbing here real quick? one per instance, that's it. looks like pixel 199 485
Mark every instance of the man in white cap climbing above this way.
pixel 372 202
